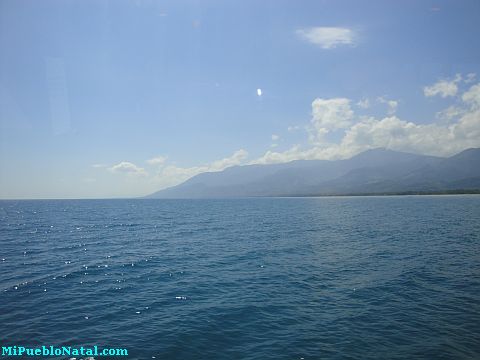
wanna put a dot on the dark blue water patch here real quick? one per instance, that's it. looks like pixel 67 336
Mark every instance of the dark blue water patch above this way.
pixel 312 278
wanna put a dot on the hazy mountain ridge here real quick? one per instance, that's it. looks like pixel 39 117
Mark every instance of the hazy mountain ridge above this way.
pixel 370 172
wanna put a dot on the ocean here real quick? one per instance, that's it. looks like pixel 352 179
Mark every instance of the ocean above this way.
pixel 263 278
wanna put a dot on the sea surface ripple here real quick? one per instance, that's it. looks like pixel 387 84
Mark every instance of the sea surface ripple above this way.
pixel 309 278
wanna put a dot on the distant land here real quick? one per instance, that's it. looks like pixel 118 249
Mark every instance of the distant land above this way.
pixel 373 172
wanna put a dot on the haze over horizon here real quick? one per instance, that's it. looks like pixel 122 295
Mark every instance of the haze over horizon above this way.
pixel 117 99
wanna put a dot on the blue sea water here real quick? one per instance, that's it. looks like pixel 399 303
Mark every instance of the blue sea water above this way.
pixel 292 278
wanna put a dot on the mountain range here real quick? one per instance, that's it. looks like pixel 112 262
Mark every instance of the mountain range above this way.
pixel 377 171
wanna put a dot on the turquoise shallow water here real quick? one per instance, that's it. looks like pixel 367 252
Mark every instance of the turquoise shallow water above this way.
pixel 324 278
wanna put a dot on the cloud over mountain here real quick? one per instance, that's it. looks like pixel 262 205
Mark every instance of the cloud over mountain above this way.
pixel 337 131
pixel 128 168
pixel 359 133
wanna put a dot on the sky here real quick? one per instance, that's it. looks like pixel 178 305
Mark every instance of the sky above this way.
pixel 102 99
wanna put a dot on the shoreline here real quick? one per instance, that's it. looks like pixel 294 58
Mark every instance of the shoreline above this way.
pixel 377 194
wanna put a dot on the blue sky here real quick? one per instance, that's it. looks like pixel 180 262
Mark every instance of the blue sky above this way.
pixel 122 98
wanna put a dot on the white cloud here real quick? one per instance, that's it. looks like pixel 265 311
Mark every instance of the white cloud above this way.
pixel 450 113
pixel 237 157
pixel 328 115
pixel 392 105
pixel 158 160
pixel 128 168
pixel 443 88
pixel 275 137
pixel 472 96
pixel 470 78
pixel 328 37
pixel 364 103
pixel 99 166
pixel 293 128
pixel 271 157
pixel 392 133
